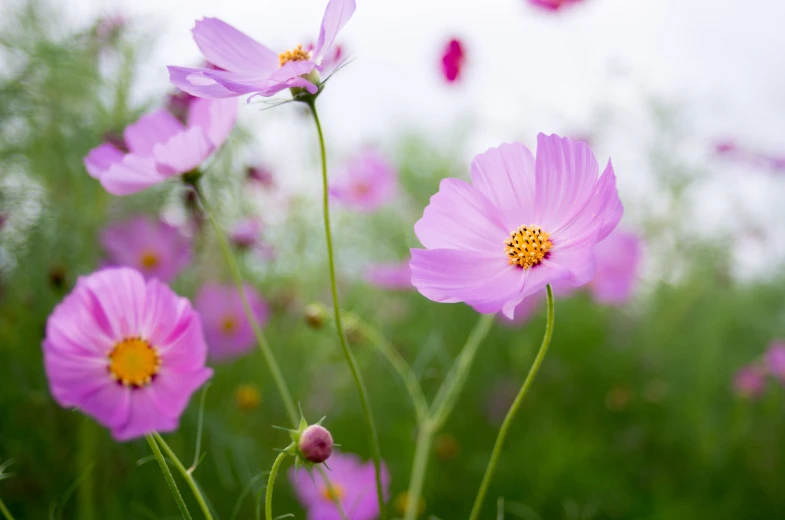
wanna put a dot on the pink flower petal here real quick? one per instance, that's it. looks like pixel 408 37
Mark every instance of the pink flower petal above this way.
pixel 151 129
pixel 196 83
pixel 603 209
pixel 183 152
pixel 226 47
pixel 120 295
pixel 101 158
pixel 132 175
pixel 216 118
pixel 337 13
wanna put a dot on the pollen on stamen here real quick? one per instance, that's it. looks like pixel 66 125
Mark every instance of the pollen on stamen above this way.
pixel 527 246
pixel 296 54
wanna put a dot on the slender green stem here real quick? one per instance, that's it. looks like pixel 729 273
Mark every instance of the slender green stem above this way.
pixel 86 490
pixel 268 495
pixel 264 346
pixel 169 478
pixel 333 494
pixel 374 437
pixel 421 452
pixel 446 396
pixel 497 448
pixel 186 475
pixel 5 511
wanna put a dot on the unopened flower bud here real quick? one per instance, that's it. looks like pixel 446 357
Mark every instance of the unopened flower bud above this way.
pixel 314 315
pixel 315 444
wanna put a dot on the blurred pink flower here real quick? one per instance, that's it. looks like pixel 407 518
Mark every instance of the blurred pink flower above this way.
pixel 162 147
pixel 750 381
pixel 260 175
pixel 368 182
pixel 520 225
pixel 725 146
pixel 245 233
pixel 775 360
pixel 228 331
pixel 453 58
pixel 617 259
pixel 396 276
pixel 126 352
pixel 553 5
pixel 252 68
pixel 153 247
pixel 353 482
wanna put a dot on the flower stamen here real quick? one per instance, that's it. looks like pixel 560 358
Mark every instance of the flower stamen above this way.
pixel 527 246
pixel 149 260
pixel 134 362
pixel 330 495
pixel 296 54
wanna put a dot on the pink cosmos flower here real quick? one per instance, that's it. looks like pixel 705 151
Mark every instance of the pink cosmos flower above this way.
pixel 368 182
pixel 228 331
pixel 245 233
pixel 331 60
pixel 453 58
pixel 353 482
pixel 395 276
pixel 261 175
pixel 252 68
pixel 750 382
pixel 775 360
pixel 153 247
pixel 617 259
pixel 553 5
pixel 128 353
pixel 162 147
pixel 520 225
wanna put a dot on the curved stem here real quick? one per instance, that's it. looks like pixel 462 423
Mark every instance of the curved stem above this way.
pixel 5 511
pixel 186 475
pixel 264 346
pixel 374 437
pixel 268 495
pixel 497 448
pixel 169 478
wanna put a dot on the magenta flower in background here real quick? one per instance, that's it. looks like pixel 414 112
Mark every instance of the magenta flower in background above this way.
pixel 750 382
pixel 553 5
pixel 126 352
pixel 228 331
pixel 395 276
pixel 617 259
pixel 775 360
pixel 260 175
pixel 453 58
pixel 245 233
pixel 153 247
pixel 252 68
pixel 353 482
pixel 520 225
pixel 368 182
pixel 161 147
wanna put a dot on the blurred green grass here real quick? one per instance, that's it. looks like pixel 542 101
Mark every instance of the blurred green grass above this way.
pixel 633 415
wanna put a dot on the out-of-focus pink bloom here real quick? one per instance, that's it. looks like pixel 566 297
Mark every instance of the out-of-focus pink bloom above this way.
pixel 453 59
pixel 162 147
pixel 178 103
pixel 126 352
pixel 775 360
pixel 252 68
pixel 368 182
pixel 520 225
pixel 153 247
pixel 553 5
pixel 245 233
pixel 617 258
pixel 109 28
pixel 260 175
pixel 354 483
pixel 750 381
pixel 396 276
pixel 228 331
pixel 725 146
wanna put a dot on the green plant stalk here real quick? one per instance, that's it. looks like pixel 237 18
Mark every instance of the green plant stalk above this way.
pixel 440 410
pixel 264 346
pixel 365 403
pixel 86 490
pixel 169 478
pixel 268 495
pixel 497 448
pixel 186 475
pixel 5 511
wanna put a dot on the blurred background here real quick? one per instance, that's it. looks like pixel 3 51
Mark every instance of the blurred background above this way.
pixel 662 406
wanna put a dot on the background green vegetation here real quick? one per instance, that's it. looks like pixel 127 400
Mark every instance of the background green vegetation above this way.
pixel 633 415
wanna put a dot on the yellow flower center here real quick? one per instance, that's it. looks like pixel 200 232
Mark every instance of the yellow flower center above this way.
pixel 229 325
pixel 134 362
pixel 149 260
pixel 296 54
pixel 247 396
pixel 335 493
pixel 527 246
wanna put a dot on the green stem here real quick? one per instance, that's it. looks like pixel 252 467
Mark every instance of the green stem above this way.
pixel 5 511
pixel 268 495
pixel 374 437
pixel 421 452
pixel 186 475
pixel 86 489
pixel 264 346
pixel 169 478
pixel 497 448
pixel 445 398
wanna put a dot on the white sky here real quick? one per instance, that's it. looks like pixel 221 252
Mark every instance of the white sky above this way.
pixel 528 71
